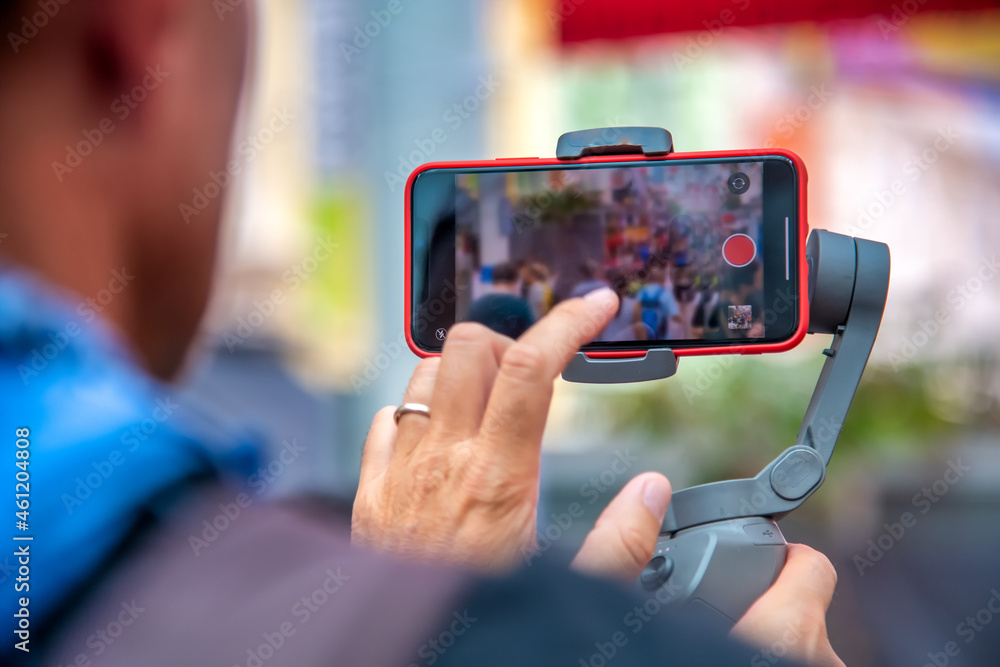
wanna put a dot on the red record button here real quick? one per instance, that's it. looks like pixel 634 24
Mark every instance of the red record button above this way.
pixel 739 250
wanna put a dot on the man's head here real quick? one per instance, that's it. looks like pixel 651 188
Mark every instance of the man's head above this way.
pixel 619 282
pixel 504 275
pixel 114 113
pixel 591 270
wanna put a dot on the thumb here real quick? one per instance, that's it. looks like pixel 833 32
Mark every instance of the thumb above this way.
pixel 624 537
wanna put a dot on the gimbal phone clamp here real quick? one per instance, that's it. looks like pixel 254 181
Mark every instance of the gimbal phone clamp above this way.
pixel 720 547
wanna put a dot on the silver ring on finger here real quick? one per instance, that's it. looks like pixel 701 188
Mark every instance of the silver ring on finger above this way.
pixel 411 408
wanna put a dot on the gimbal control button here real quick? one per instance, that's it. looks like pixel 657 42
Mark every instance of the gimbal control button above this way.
pixel 657 572
pixel 796 474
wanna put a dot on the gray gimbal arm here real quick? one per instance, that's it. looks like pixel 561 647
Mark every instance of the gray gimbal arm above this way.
pixel 848 284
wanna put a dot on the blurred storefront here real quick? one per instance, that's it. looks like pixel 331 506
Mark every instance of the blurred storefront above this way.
pixel 895 109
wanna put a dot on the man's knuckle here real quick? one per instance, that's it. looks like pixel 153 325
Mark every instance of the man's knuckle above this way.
pixel 424 374
pixel 485 486
pixel 636 543
pixel 523 361
pixel 426 368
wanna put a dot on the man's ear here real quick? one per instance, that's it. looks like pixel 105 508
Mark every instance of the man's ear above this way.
pixel 124 37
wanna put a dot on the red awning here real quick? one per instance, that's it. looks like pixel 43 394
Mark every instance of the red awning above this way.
pixel 583 20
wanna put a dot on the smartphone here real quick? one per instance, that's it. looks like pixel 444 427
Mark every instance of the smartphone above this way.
pixel 705 250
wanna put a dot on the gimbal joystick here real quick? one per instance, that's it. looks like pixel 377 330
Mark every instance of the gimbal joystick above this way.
pixel 720 547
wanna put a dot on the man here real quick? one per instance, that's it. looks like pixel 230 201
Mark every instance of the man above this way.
pixel 660 312
pixel 503 309
pixel 141 551
pixel 592 278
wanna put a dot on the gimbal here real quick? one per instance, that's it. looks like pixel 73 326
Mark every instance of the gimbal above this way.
pixel 720 547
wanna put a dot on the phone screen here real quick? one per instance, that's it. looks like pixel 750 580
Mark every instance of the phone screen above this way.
pixel 701 252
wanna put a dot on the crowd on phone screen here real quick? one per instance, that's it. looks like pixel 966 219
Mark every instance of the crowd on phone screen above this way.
pixel 662 296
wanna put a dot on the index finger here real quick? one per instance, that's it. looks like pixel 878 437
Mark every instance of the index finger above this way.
pixel 808 576
pixel 804 589
pixel 793 610
pixel 519 403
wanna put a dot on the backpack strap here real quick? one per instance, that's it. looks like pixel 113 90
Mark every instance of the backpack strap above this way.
pixel 231 581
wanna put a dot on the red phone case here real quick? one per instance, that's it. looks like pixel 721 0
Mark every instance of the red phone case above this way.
pixel 752 348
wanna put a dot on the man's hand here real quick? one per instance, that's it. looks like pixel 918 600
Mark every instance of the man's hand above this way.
pixel 462 485
pixel 624 537
pixel 790 618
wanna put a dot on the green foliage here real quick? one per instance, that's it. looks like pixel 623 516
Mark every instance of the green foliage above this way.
pixel 733 414
pixel 334 299
pixel 561 205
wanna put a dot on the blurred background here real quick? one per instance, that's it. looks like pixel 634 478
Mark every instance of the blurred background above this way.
pixel 895 109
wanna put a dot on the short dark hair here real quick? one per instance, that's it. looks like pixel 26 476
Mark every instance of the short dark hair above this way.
pixel 504 272
pixel 619 281
pixel 590 269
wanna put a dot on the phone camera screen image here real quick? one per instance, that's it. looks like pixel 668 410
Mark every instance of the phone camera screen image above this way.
pixel 697 251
